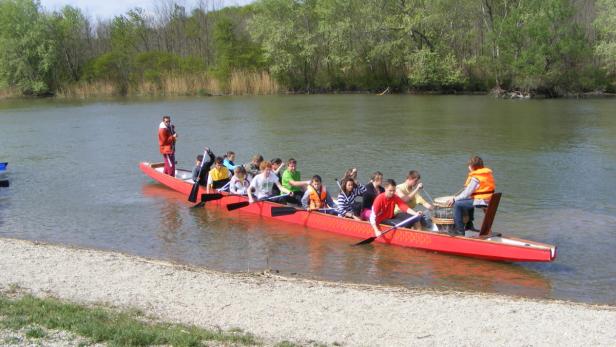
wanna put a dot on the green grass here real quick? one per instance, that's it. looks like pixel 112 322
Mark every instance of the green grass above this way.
pixel 35 333
pixel 105 325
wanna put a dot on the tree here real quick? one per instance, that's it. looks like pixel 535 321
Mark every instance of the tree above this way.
pixel 27 52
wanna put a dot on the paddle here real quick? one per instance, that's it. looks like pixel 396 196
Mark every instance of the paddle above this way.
pixel 195 188
pixel 4 183
pixel 236 205
pixel 287 210
pixel 371 239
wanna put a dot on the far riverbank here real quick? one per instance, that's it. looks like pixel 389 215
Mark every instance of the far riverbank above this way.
pixel 298 310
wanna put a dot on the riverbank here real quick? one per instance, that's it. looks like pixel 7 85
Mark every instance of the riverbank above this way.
pixel 298 310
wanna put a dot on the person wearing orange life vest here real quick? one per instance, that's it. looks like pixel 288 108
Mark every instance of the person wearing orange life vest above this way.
pixel 478 190
pixel 317 197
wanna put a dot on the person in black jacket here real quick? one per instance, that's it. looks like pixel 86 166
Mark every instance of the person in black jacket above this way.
pixel 201 173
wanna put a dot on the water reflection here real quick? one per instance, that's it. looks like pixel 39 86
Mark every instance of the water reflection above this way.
pixel 237 241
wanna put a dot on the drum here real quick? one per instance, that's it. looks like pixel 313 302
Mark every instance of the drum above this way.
pixel 442 215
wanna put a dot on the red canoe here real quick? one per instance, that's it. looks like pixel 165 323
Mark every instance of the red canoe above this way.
pixel 493 247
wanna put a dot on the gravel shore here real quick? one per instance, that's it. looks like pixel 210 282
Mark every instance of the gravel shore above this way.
pixel 299 310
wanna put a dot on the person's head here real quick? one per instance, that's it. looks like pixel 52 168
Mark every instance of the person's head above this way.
pixel 166 120
pixel 199 158
pixel 390 188
pixel 257 159
pixel 230 155
pixel 239 172
pixel 348 184
pixel 292 164
pixel 276 163
pixel 266 167
pixel 218 162
pixel 352 172
pixel 412 178
pixel 316 182
pixel 377 178
pixel 475 163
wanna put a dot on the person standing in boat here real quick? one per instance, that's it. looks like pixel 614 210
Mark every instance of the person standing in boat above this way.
pixel 291 180
pixel 373 189
pixel 350 190
pixel 205 169
pixel 383 208
pixel 166 143
pixel 478 190
pixel 219 175
pixel 408 191
pixel 262 184
pixel 317 196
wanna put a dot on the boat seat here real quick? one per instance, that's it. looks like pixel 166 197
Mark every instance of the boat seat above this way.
pixel 490 212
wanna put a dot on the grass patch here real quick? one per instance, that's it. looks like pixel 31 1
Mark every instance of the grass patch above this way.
pixel 35 333
pixel 104 325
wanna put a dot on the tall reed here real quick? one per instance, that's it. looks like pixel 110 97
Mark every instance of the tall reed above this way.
pixel 239 83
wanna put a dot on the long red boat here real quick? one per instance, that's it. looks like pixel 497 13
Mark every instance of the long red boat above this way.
pixel 491 247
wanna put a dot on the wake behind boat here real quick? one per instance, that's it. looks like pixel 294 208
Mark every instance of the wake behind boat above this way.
pixel 490 247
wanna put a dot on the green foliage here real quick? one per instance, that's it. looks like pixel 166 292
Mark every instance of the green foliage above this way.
pixel 537 46
pixel 430 71
pixel 232 44
pixel 605 24
pixel 27 52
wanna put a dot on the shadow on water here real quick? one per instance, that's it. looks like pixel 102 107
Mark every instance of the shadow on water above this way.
pixel 232 241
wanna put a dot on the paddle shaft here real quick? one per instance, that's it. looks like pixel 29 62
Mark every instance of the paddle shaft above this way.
pixel 236 205
pixel 195 188
pixel 371 239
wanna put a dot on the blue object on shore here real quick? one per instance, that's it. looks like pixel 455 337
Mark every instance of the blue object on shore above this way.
pixel 3 166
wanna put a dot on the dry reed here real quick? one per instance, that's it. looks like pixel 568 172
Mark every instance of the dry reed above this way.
pixel 240 83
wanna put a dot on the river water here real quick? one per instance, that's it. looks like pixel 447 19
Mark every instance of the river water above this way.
pixel 73 168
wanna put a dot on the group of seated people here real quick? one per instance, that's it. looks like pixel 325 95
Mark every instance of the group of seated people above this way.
pixel 382 202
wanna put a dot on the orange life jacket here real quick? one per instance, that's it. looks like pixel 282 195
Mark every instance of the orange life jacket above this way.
pixel 315 199
pixel 486 183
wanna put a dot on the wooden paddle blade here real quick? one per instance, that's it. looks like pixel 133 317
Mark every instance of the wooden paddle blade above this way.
pixel 366 241
pixel 193 193
pixel 236 205
pixel 210 197
pixel 283 211
pixel 4 183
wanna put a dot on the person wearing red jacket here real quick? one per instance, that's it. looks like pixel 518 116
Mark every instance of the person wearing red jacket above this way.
pixel 166 144
pixel 383 209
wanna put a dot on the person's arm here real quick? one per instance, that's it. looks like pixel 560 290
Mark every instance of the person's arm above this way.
pixel 277 171
pixel 232 188
pixel 330 202
pixel 403 206
pixel 282 189
pixel 210 181
pixel 305 199
pixel 423 202
pixel 373 223
pixel 195 173
pixel 251 189
pixel 341 204
pixel 469 190
pixel 361 189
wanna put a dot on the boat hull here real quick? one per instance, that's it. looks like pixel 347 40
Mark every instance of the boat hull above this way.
pixel 494 248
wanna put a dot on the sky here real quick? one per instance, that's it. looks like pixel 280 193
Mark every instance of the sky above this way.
pixel 106 9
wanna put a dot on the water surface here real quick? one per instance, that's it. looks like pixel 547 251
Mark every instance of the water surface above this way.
pixel 74 180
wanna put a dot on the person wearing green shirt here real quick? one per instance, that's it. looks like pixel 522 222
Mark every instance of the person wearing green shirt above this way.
pixel 291 180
